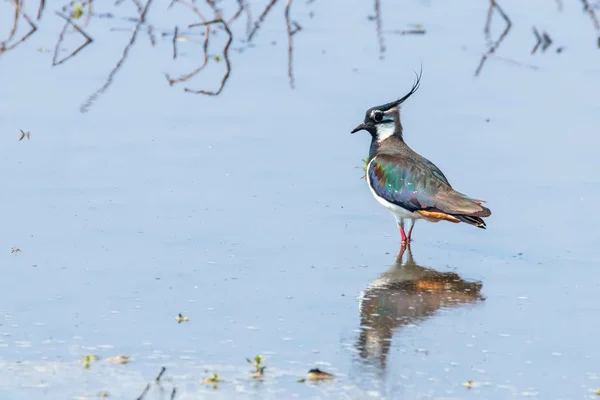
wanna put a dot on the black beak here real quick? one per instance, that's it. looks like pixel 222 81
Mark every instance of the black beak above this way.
pixel 359 128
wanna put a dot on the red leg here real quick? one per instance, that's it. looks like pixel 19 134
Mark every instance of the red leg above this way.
pixel 402 234
pixel 401 254
pixel 411 229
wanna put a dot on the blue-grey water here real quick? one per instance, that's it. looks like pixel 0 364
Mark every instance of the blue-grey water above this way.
pixel 246 213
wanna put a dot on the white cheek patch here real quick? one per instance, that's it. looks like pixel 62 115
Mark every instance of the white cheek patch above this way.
pixel 385 130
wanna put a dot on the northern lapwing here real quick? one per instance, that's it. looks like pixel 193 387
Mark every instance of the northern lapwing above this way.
pixel 407 184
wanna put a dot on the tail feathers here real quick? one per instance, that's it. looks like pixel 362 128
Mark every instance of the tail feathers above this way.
pixel 456 203
pixel 472 220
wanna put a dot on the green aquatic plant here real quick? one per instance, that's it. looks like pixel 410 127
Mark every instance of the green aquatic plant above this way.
pixel 259 368
pixel 213 380
pixel 77 10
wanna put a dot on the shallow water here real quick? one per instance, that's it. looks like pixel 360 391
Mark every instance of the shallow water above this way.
pixel 246 213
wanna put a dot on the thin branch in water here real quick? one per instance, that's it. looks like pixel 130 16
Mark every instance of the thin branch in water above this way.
pixel 144 393
pixel 238 12
pixel 407 32
pixel 290 34
pixel 378 27
pixel 225 56
pixel 496 44
pixel 138 5
pixel 41 9
pixel 538 38
pixel 150 30
pixel 15 22
pixel 590 10
pixel 4 47
pixel 185 77
pixel 88 103
pixel 61 37
pixel 488 20
pixel 175 42
pixel 248 18
pixel 261 19
pixel 173 393
pixel 160 374
pixel 547 41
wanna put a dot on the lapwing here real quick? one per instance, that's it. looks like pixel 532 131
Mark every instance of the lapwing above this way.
pixel 406 183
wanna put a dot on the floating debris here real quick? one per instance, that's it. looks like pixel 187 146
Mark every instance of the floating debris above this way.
pixel 259 368
pixel 103 395
pixel 597 391
pixel 180 318
pixel 316 374
pixel 14 250
pixel 213 380
pixel 468 384
pixel 119 359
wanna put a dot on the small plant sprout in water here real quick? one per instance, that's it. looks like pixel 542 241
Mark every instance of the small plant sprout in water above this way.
pixel 24 135
pixel 180 318
pixel 87 360
pixel 259 368
pixel 213 380
pixel 468 384
pixel 77 10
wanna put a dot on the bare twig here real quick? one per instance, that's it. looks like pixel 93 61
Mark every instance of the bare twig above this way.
pixel 4 47
pixel 175 42
pixel 538 39
pixel 238 12
pixel 261 19
pixel 41 9
pixel 496 44
pixel 150 30
pixel 144 393
pixel 15 21
pixel 173 393
pixel 488 20
pixel 378 27
pixel 407 31
pixel 225 56
pixel 547 41
pixel 160 374
pixel 590 10
pixel 290 34
pixel 185 77
pixel 88 103
pixel 61 37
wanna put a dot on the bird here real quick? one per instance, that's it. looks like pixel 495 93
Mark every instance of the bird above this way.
pixel 410 186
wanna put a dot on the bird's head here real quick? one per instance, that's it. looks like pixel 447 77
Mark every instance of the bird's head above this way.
pixel 384 121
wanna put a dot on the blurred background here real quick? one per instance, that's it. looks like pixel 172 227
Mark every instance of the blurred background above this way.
pixel 181 190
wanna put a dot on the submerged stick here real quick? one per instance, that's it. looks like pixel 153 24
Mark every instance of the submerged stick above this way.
pixel 225 56
pixel 496 44
pixel 88 103
pixel 61 37
pixel 160 374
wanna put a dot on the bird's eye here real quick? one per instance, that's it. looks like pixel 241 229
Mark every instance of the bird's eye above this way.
pixel 377 116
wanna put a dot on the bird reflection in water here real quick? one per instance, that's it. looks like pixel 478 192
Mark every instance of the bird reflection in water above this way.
pixel 406 294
